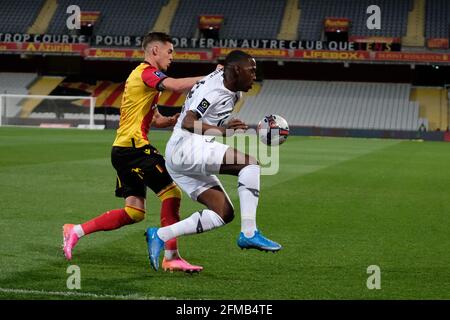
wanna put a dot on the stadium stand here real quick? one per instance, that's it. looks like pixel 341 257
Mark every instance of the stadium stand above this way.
pixel 394 15
pixel 41 86
pixel 289 23
pixel 166 16
pixel 437 19
pixel 351 105
pixel 433 104
pixel 243 19
pixel 109 94
pixel 138 18
pixel 40 25
pixel 15 83
pixel 415 33
pixel 15 17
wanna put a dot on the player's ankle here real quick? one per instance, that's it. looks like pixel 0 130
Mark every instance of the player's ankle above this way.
pixel 78 230
pixel 171 254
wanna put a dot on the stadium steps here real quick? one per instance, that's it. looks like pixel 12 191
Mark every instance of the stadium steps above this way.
pixel 42 86
pixel 433 104
pixel 165 17
pixel 44 17
pixel 415 34
pixel 291 19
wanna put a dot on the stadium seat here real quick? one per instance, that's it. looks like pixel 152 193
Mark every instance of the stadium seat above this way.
pixel 15 17
pixel 138 18
pixel 243 19
pixel 437 19
pixel 351 105
pixel 394 16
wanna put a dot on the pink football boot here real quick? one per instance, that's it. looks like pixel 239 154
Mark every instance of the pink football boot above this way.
pixel 179 264
pixel 70 239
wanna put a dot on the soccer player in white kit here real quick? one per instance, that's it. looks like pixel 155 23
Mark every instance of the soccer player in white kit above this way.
pixel 193 158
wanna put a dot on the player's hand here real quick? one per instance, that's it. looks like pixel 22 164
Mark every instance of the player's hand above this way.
pixel 219 66
pixel 236 124
pixel 173 119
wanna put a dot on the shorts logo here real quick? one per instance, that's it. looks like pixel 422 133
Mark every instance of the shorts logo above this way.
pixel 204 104
pixel 139 172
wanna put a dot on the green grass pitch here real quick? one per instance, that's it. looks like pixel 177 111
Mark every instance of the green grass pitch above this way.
pixel 336 205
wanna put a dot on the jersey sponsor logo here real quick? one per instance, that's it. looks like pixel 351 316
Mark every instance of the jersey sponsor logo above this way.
pixel 159 74
pixel 203 106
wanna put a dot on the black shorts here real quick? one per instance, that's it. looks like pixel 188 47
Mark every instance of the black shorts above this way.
pixel 137 169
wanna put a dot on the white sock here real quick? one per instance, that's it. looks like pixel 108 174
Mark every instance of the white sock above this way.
pixel 78 230
pixel 171 254
pixel 248 189
pixel 198 222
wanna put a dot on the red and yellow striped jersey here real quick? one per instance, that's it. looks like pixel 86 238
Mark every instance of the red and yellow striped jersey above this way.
pixel 139 100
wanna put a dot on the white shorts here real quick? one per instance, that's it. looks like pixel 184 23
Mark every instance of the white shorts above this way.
pixel 192 161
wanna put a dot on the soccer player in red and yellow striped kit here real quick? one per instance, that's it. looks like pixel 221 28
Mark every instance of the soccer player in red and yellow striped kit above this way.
pixel 138 164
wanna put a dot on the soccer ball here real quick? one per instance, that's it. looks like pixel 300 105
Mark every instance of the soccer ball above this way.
pixel 273 130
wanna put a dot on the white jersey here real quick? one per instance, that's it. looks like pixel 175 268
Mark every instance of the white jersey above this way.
pixel 192 160
pixel 210 100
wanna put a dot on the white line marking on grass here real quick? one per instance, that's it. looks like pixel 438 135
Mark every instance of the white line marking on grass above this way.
pixel 83 294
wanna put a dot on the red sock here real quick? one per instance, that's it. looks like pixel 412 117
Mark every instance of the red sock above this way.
pixel 109 220
pixel 169 215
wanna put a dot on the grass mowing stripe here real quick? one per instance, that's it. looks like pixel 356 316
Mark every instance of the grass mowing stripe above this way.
pixel 81 294
pixel 337 205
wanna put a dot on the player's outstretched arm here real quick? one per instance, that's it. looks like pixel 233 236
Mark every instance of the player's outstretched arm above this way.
pixel 182 84
pixel 160 121
pixel 192 124
pixel 179 85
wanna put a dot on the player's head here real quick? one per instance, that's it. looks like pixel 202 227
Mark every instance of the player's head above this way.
pixel 158 49
pixel 241 68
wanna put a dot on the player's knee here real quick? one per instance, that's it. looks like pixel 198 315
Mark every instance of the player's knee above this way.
pixel 249 160
pixel 173 191
pixel 135 214
pixel 227 214
pixel 254 164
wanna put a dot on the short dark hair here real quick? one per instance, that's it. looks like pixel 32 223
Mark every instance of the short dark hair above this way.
pixel 156 36
pixel 236 56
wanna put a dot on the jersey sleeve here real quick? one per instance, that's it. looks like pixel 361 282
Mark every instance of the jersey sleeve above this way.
pixel 152 77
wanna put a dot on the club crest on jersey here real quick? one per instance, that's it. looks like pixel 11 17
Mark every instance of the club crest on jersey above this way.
pixel 159 74
pixel 204 104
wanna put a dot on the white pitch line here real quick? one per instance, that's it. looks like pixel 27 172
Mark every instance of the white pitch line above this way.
pixel 83 294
